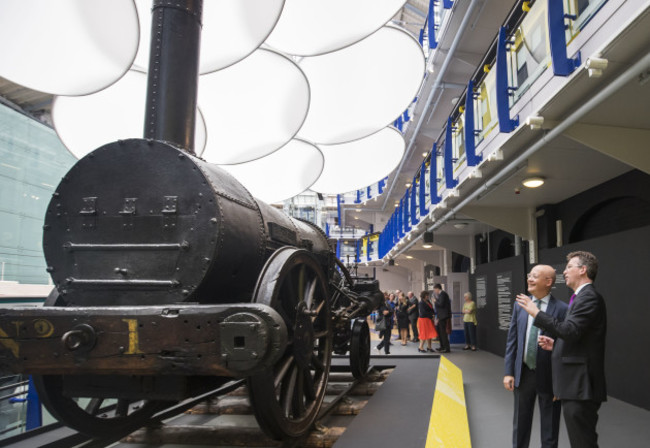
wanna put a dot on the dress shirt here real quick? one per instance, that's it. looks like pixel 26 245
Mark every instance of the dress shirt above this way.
pixel 580 287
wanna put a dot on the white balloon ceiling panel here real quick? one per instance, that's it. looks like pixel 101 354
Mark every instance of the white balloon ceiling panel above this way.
pixel 232 29
pixel 72 47
pixel 281 175
pixel 353 78
pixel 362 88
pixel 253 107
pixel 357 164
pixel 313 27
pixel 85 123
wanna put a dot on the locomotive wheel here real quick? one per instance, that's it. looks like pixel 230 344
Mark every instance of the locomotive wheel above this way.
pixel 287 398
pixel 360 349
pixel 87 415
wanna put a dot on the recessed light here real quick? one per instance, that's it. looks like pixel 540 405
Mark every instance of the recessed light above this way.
pixel 408 184
pixel 409 257
pixel 424 154
pixel 427 246
pixel 533 182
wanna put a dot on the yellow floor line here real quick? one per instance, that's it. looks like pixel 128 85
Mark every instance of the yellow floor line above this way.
pixel 448 426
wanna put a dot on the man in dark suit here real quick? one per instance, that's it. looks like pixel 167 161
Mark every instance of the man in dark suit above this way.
pixel 528 370
pixel 443 314
pixel 579 349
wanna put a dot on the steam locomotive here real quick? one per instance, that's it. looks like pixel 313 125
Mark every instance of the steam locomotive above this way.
pixel 172 279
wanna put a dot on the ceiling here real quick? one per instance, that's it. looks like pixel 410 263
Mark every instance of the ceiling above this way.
pixel 555 160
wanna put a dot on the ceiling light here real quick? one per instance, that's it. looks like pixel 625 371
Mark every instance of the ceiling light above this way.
pixel 427 246
pixel 424 154
pixel 356 217
pixel 357 210
pixel 533 182
pixel 460 225
pixel 408 184
pixel 409 257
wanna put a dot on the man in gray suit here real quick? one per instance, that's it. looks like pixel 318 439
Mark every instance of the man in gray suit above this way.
pixel 528 369
pixel 579 350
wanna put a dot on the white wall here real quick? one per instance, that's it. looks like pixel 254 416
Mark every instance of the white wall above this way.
pixel 390 277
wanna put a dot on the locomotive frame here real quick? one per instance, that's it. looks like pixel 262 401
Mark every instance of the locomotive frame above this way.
pixel 171 278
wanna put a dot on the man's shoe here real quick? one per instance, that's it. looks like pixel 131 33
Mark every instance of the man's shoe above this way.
pixel 440 349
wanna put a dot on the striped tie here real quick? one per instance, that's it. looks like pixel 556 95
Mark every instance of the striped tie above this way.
pixel 531 347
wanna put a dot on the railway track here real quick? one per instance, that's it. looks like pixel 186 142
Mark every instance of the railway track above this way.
pixel 223 417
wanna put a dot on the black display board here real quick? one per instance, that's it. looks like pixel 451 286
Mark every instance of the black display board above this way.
pixel 494 287
pixel 624 265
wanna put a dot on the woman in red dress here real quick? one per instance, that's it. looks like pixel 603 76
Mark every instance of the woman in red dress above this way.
pixel 426 328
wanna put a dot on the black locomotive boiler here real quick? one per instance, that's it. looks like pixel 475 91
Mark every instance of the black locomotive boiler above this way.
pixel 171 279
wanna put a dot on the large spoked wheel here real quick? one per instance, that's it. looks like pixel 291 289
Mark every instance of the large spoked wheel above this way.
pixel 96 417
pixel 360 348
pixel 286 400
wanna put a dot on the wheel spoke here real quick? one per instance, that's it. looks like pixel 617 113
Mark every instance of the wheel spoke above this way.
pixel 317 363
pixel 289 300
pixel 122 408
pixel 93 405
pixel 289 389
pixel 302 279
pixel 283 371
pixel 309 299
pixel 310 392
pixel 318 310
pixel 298 405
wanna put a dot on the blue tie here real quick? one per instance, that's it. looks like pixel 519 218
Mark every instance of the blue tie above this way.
pixel 531 347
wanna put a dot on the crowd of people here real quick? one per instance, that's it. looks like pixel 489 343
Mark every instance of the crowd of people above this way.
pixel 423 321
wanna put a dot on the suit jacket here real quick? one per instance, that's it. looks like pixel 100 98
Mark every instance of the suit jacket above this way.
pixel 579 349
pixel 443 305
pixel 516 346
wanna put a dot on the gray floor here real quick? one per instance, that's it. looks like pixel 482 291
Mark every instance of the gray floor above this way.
pixel 490 409
pixel 490 406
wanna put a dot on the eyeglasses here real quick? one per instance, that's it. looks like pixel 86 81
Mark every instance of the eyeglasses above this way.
pixel 570 266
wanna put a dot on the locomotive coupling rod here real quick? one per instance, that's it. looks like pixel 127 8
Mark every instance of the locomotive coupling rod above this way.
pixel 233 340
